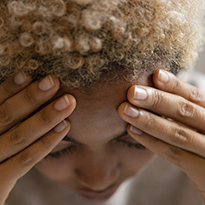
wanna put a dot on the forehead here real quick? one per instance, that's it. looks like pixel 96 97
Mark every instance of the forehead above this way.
pixel 105 94
pixel 96 118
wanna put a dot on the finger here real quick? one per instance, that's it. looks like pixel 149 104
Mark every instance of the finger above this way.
pixel 17 166
pixel 168 105
pixel 36 126
pixel 19 106
pixel 190 163
pixel 163 129
pixel 168 82
pixel 13 85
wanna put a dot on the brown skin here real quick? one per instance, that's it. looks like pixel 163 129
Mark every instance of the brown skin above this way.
pixel 184 147
pixel 17 102
pixel 106 161
pixel 181 140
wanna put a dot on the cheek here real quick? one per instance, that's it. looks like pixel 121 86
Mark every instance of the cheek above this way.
pixel 133 160
pixel 56 169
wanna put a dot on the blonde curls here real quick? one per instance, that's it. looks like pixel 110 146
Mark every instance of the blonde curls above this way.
pixel 91 20
pixel 74 61
pixel 26 39
pixel 83 2
pixel 57 7
pixel 79 40
pixel 95 44
pixel 21 8
pixel 14 49
pixel 42 47
pixel 39 28
pixel 1 22
pixel 25 26
pixel 5 60
pixel 67 44
pixel 82 45
pixel 33 64
pixel 45 2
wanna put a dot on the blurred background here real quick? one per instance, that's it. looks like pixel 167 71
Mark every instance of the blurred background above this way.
pixel 196 76
pixel 201 62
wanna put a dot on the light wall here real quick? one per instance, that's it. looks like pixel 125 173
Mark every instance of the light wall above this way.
pixel 200 66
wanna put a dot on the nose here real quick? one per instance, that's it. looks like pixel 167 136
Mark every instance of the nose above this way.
pixel 97 174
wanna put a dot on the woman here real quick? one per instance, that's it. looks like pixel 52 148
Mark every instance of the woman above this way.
pixel 112 58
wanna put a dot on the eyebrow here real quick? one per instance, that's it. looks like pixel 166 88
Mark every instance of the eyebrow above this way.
pixel 70 139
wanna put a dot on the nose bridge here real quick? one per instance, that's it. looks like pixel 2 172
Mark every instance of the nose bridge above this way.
pixel 97 172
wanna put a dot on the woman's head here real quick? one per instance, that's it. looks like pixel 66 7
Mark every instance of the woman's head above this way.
pixel 86 43
pixel 97 154
pixel 83 41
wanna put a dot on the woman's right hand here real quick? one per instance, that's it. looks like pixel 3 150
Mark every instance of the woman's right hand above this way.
pixel 24 141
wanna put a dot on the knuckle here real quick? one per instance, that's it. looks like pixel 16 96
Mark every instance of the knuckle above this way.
pixel 5 115
pixel 44 117
pixel 30 96
pixel 154 143
pixel 176 85
pixel 24 158
pixel 196 95
pixel 15 137
pixel 180 136
pixel 157 98
pixel 148 119
pixel 45 142
pixel 8 88
pixel 186 109
pixel 174 154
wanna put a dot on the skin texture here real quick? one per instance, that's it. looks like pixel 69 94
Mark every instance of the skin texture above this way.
pixel 95 123
pixel 18 101
pixel 61 38
pixel 179 140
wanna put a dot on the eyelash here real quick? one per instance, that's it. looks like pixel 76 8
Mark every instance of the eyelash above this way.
pixel 59 154
pixel 69 149
pixel 132 145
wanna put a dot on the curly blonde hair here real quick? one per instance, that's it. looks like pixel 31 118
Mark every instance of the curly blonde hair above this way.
pixel 80 41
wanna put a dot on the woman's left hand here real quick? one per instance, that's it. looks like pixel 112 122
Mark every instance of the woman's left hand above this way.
pixel 170 121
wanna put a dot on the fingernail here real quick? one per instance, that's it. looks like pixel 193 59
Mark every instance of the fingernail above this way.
pixel 46 83
pixel 60 127
pixel 140 94
pixel 163 76
pixel 135 130
pixel 62 104
pixel 20 78
pixel 130 111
